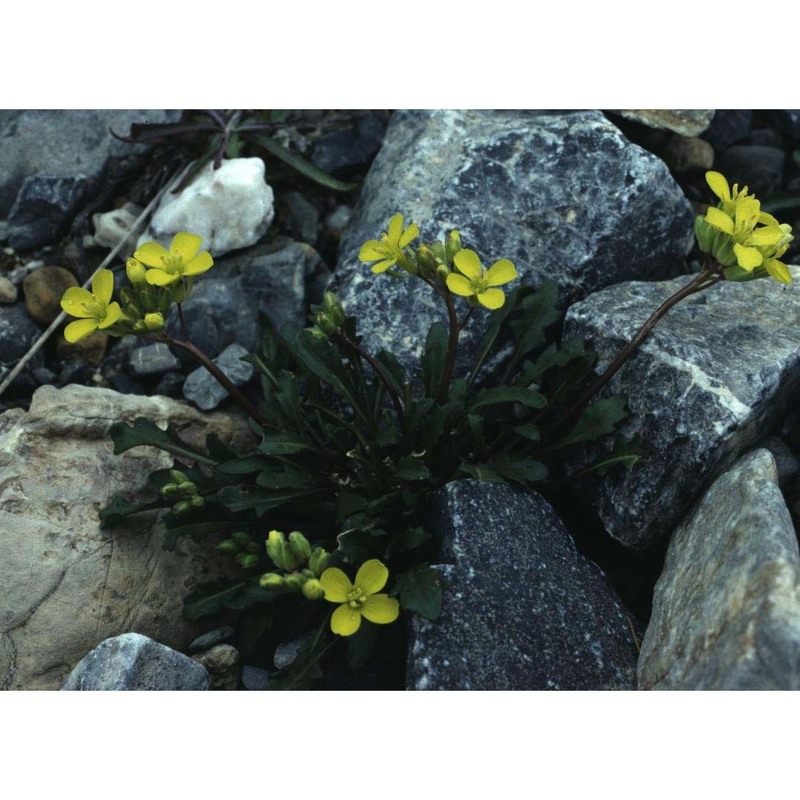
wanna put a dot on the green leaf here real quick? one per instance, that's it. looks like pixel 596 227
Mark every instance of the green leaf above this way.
pixel 433 358
pixel 482 472
pixel 119 508
pixel 243 466
pixel 282 445
pixel 145 432
pixel 284 478
pixel 625 452
pixel 360 545
pixel 597 420
pixel 235 498
pixel 528 431
pixel 393 369
pixel 210 598
pixel 299 163
pixel 420 590
pixel 411 469
pixel 524 471
pixel 496 320
pixel 218 450
pixel 510 394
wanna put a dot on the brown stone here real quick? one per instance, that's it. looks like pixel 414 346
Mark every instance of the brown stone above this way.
pixel 43 289
pixel 91 349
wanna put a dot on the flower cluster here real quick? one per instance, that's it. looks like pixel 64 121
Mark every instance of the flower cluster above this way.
pixel 745 240
pixel 158 278
pixel 445 264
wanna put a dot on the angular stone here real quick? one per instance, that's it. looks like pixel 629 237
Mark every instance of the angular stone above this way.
pixel 255 679
pixel 17 333
pixel 726 609
pixel 728 126
pixel 713 378
pixel 65 584
pixel 557 193
pixel 341 153
pixel 43 208
pixel 134 663
pixel 8 292
pixel 222 664
pixel 203 389
pixel 691 122
pixel 759 168
pixel 230 207
pixel 44 289
pixel 522 608
pixel 153 359
pixel 208 640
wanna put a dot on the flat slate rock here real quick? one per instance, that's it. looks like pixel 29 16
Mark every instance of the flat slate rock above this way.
pixel 522 608
pixel 726 609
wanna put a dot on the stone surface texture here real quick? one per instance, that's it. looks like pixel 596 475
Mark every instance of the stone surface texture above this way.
pixel 726 609
pixel 713 378
pixel 557 193
pixel 134 663
pixel 689 122
pixel 230 207
pixel 522 609
pixel 203 389
pixel 65 584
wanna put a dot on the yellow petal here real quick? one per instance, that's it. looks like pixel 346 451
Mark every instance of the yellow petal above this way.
pixel 501 272
pixel 336 585
pixel 720 220
pixel 157 277
pixel 199 264
pixel 767 219
pixel 468 263
pixel 381 608
pixel 113 313
pixel 411 233
pixel 151 254
pixel 395 229
pixel 372 576
pixel 79 329
pixel 345 620
pixel 185 245
pixel 492 298
pixel 74 302
pixel 778 270
pixel 718 184
pixel 763 237
pixel 103 285
pixel 748 257
pixel 382 266
pixel 459 285
pixel 372 250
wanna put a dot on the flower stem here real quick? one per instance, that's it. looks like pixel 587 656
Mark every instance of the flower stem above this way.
pixel 707 278
pixel 452 347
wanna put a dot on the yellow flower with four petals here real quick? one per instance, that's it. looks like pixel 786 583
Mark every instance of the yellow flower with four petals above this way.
pixel 359 599
pixel 94 309
pixel 479 284
pixel 388 250
pixel 184 259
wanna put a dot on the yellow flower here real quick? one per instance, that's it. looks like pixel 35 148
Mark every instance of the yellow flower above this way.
pixel 93 309
pixel 359 599
pixel 183 260
pixel 476 282
pixel 728 198
pixel 389 249
pixel 777 269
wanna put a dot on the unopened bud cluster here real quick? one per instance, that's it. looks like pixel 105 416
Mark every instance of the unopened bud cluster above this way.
pixel 301 564
pixel 329 315
pixel 242 545
pixel 182 491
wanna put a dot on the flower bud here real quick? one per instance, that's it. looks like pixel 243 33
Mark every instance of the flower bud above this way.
pixel 280 552
pixel 228 546
pixel 135 271
pixel 293 582
pixel 300 546
pixel 252 547
pixel 170 490
pixel 154 321
pixel 187 487
pixel 312 590
pixel 704 234
pixel 181 506
pixel 272 581
pixel 198 501
pixel 242 537
pixel 247 560
pixel 326 324
pixel 318 561
pixel 452 244
pixel 178 476
pixel 426 260
pixel 334 308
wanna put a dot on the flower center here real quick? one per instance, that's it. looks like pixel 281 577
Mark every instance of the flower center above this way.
pixel 480 285
pixel 172 264
pixel 356 597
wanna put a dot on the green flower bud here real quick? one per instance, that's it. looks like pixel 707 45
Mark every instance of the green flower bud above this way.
pixel 228 546
pixel 312 590
pixel 704 233
pixel 242 537
pixel 307 574
pixel 139 326
pixel 452 244
pixel 280 552
pixel 198 501
pixel 318 561
pixel 154 321
pixel 180 290
pixel 272 581
pixel 135 271
pixel 131 304
pixel 252 547
pixel 247 560
pixel 170 491
pixel 187 487
pixel 427 261
pixel 178 476
pixel 326 324
pixel 334 308
pixel 293 582
pixel 181 506
pixel 300 546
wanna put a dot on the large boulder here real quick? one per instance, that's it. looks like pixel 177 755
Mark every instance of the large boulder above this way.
pixel 65 584
pixel 714 376
pixel 726 609
pixel 563 195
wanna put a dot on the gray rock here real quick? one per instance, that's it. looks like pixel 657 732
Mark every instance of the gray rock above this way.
pixel 286 653
pixel 8 292
pixel 208 640
pixel 64 143
pixel 726 609
pixel 17 333
pixel 759 168
pixel 712 379
pixel 222 664
pixel 343 152
pixel 522 609
pixel 691 122
pixel 153 359
pixel 132 662
pixel 786 462
pixel 203 389
pixel 303 221
pixel 255 679
pixel 44 206
pixel 727 127
pixel 557 193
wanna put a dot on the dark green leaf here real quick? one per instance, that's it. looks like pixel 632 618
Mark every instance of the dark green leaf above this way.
pixel 524 471
pixel 209 599
pixel 218 450
pixel 597 420
pixel 411 469
pixel 510 394
pixel 360 545
pixel 282 445
pixel 243 466
pixel 260 500
pixel 433 358
pixel 624 452
pixel 420 590
pixel 145 432
pixel 119 508
pixel 482 472
pixel 528 431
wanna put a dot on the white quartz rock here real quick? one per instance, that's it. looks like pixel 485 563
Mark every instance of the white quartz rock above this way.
pixel 230 207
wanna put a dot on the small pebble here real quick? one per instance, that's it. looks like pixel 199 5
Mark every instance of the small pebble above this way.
pixel 255 679
pixel 208 640
pixel 8 292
